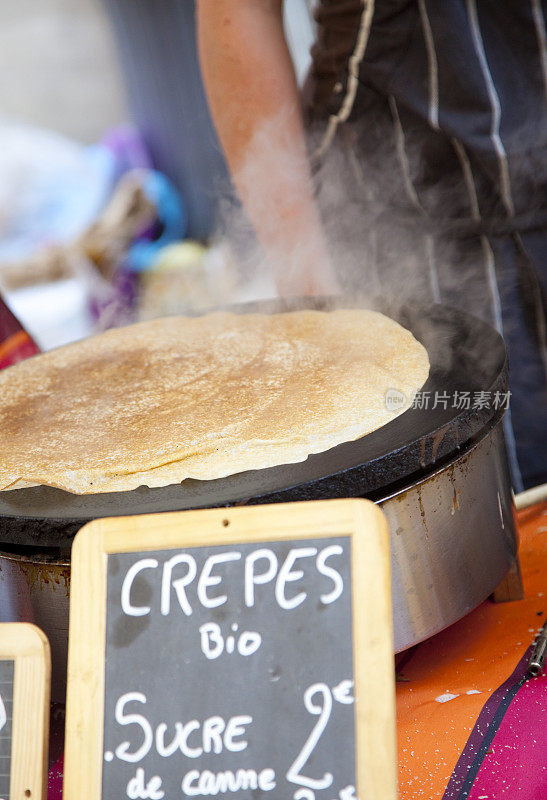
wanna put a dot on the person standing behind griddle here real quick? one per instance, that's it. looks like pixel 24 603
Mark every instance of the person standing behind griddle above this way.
pixel 447 98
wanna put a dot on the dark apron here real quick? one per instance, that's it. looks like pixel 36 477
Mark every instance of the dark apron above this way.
pixel 429 124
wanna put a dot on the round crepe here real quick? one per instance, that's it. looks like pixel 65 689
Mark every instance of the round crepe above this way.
pixel 155 403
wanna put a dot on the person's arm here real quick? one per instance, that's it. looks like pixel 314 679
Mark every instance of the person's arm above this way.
pixel 252 92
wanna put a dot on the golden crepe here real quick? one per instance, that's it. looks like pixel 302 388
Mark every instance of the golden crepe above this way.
pixel 157 402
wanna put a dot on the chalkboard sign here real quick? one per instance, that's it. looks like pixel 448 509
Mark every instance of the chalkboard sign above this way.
pixel 7 669
pixel 241 654
pixel 24 711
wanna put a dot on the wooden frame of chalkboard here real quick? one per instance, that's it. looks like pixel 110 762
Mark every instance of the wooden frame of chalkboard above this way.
pixel 370 628
pixel 25 710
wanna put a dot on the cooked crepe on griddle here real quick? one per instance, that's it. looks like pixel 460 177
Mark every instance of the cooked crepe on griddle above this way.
pixel 155 403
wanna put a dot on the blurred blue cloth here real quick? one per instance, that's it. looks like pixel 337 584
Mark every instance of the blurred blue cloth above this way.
pixel 51 188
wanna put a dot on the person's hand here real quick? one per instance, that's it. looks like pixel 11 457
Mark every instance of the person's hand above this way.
pixel 308 272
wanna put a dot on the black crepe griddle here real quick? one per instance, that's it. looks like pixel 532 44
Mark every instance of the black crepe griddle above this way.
pixel 465 354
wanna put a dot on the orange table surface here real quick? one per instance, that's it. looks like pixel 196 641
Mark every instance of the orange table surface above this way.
pixel 470 660
pixel 474 655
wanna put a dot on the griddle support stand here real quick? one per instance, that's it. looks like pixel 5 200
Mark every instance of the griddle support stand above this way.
pixel 511 587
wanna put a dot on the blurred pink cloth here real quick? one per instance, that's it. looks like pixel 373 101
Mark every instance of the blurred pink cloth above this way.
pixel 516 763
pixel 55 781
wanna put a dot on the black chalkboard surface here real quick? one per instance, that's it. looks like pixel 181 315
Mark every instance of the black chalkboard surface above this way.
pixel 24 711
pixel 232 653
pixel 7 668
pixel 261 684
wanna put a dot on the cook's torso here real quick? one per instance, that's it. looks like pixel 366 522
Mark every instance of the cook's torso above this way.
pixel 428 120
pixel 452 74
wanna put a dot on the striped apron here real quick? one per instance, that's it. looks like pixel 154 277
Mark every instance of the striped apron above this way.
pixel 428 121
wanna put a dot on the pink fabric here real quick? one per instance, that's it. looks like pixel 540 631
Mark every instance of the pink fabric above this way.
pixel 515 767
pixel 55 781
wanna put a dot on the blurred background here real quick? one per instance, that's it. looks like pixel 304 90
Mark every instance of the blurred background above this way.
pixel 111 176
pixel 59 67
